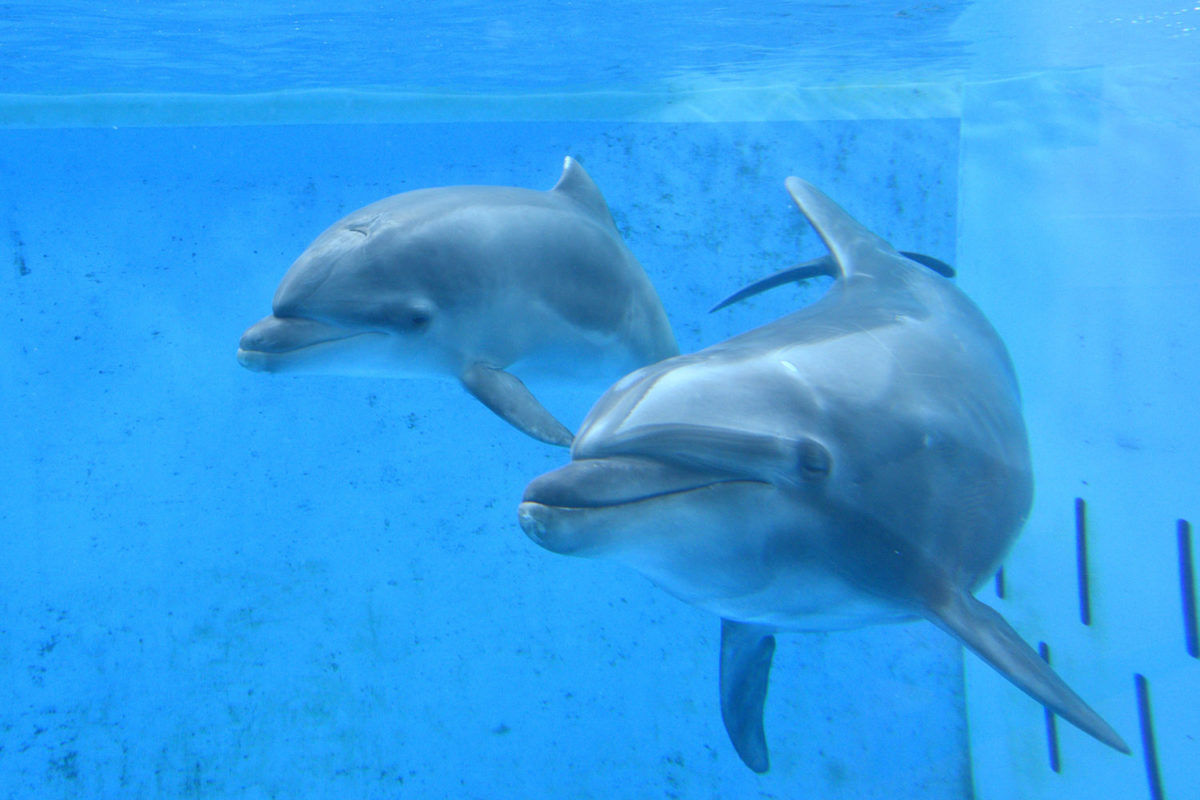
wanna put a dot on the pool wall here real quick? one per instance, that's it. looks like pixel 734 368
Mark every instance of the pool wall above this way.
pixel 1080 218
pixel 216 583
pixel 219 583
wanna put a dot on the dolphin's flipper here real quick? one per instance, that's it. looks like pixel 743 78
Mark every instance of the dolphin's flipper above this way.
pixel 935 264
pixel 824 265
pixel 504 394
pixel 746 652
pixel 801 272
pixel 988 634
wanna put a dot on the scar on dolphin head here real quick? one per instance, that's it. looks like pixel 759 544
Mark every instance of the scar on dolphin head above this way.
pixel 861 460
pixel 466 282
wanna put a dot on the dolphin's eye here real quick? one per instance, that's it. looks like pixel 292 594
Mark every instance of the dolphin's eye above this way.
pixel 419 319
pixel 412 317
pixel 814 462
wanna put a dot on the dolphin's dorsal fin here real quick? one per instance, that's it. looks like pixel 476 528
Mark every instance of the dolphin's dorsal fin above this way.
pixel 576 184
pixel 987 633
pixel 746 653
pixel 850 244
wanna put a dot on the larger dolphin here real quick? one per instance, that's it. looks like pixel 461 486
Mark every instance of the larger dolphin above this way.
pixel 466 281
pixel 859 461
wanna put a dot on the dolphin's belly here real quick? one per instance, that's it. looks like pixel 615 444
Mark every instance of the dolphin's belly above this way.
pixel 534 340
pixel 735 550
pixel 810 600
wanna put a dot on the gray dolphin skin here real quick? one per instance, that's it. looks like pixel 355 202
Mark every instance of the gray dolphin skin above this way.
pixel 862 460
pixel 464 282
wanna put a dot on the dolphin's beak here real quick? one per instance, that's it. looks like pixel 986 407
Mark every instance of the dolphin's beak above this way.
pixel 558 501
pixel 602 482
pixel 271 337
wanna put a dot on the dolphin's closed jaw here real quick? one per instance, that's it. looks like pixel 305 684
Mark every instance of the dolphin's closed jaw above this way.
pixel 283 334
pixel 267 344
pixel 532 517
pixel 619 480
pixel 563 510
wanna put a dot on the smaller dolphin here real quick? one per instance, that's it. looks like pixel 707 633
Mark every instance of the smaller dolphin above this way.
pixel 466 281
pixel 859 461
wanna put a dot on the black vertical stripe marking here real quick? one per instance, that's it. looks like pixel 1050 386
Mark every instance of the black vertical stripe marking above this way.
pixel 1187 587
pixel 1000 583
pixel 1153 778
pixel 1081 559
pixel 1051 720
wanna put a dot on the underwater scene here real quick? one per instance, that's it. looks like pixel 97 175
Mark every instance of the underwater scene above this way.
pixel 600 400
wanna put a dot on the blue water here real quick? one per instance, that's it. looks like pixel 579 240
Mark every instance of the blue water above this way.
pixel 215 583
pixel 460 46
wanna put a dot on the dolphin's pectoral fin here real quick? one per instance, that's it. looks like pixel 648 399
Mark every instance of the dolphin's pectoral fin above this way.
pixel 825 265
pixel 935 264
pixel 746 652
pixel 504 394
pixel 801 272
pixel 988 634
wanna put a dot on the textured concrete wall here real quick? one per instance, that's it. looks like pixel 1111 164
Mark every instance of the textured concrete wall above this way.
pixel 215 583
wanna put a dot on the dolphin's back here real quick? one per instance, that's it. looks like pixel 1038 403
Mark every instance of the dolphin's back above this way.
pixel 951 469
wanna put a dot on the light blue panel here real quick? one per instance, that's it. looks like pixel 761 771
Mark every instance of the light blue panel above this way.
pixel 216 583
pixel 1079 228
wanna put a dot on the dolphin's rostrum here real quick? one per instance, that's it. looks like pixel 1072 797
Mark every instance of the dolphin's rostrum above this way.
pixel 859 461
pixel 466 281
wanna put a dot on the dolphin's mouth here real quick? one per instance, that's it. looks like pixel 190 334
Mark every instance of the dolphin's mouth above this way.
pixel 618 480
pixel 267 341
pixel 584 494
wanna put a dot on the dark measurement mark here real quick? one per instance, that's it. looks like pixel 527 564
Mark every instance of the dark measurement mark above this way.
pixel 1148 748
pixel 1085 595
pixel 19 255
pixel 1000 583
pixel 1051 720
pixel 1187 586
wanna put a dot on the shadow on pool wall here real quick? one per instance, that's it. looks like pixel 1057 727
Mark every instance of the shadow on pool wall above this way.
pixel 257 586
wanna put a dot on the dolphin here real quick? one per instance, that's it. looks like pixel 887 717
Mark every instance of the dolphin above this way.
pixel 466 281
pixel 862 460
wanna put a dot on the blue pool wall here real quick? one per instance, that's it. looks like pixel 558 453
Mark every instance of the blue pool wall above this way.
pixel 1078 210
pixel 225 584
